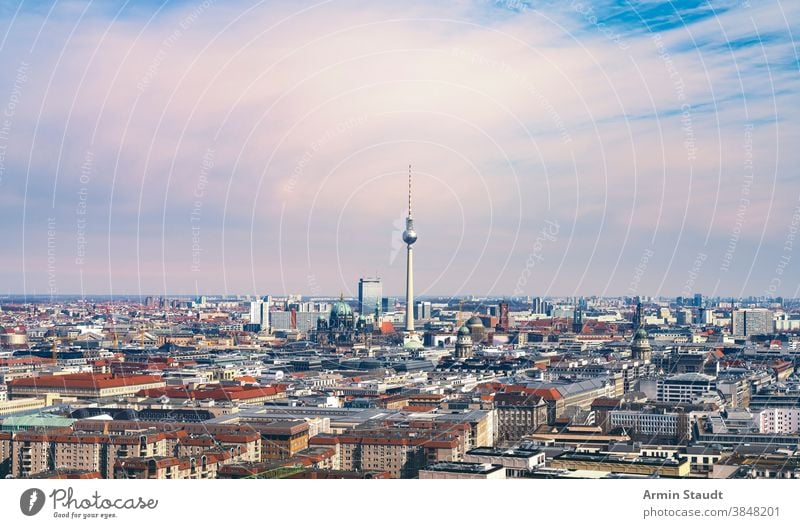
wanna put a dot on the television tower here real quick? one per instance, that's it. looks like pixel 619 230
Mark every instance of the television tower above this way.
pixel 409 237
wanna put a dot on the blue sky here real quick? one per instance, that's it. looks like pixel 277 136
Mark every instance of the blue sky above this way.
pixel 261 147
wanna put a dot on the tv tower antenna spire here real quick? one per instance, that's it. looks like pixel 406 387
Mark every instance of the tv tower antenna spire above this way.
pixel 409 190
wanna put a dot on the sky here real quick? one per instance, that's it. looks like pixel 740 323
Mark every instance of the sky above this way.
pixel 262 147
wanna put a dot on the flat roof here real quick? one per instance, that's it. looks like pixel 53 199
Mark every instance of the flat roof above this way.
pixel 474 468
pixel 498 452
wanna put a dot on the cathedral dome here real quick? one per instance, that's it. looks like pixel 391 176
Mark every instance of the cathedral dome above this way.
pixel 640 334
pixel 341 316
pixel 475 321
pixel 463 330
pixel 341 309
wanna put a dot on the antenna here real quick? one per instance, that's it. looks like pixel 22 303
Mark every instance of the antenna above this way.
pixel 409 190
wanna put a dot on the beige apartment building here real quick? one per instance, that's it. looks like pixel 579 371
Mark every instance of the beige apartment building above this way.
pixel 85 386
pixel 36 451
pixel 401 453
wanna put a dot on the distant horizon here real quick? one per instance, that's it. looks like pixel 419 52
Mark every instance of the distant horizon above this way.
pixel 400 298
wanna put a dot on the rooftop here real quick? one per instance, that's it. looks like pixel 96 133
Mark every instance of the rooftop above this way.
pixel 473 468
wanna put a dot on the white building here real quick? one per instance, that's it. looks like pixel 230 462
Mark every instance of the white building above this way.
pixel 752 321
pixel 685 388
pixel 779 421
pixel 259 313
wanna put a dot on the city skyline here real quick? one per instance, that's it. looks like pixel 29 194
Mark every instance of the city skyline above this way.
pixel 253 148
pixel 524 240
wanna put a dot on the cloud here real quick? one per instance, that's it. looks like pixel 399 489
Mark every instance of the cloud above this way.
pixel 254 147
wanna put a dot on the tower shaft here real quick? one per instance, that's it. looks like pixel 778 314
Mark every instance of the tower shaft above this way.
pixel 409 290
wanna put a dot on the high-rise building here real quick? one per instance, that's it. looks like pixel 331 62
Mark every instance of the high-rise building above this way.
pixel 752 321
pixel 259 312
pixel 705 316
pixel 423 310
pixel 411 339
pixel 370 292
pixel 294 320
pixel 698 300
pixel 388 304
pixel 683 316
pixel 540 306
pixel 537 305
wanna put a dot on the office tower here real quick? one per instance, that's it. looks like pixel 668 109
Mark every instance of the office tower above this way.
pixel 388 304
pixel 698 300
pixel 752 321
pixel 423 310
pixel 537 306
pixel 369 295
pixel 294 320
pixel 259 313
pixel 683 316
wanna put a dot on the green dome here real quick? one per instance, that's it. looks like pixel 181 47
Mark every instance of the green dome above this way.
pixel 463 330
pixel 475 321
pixel 413 344
pixel 341 309
pixel 640 334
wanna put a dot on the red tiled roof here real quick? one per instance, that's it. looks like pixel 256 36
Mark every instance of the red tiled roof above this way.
pixel 85 381
pixel 31 360
pixel 218 392
pixel 606 402
pixel 240 438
